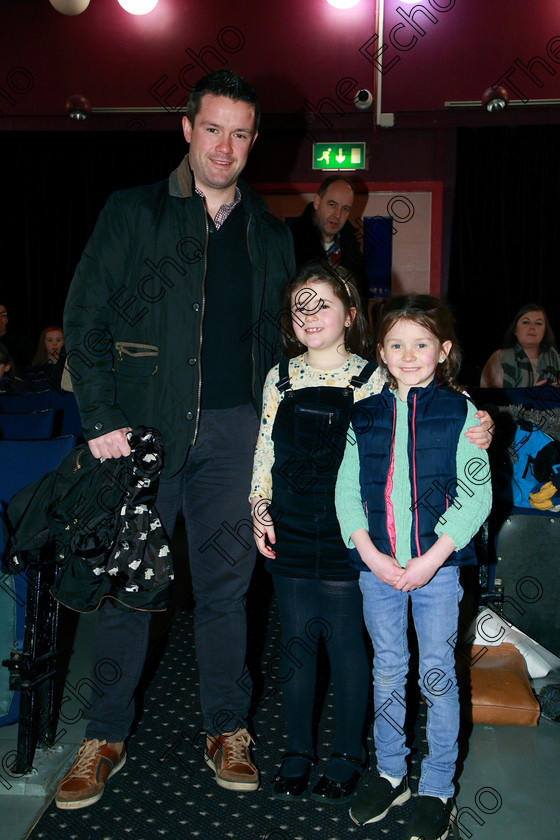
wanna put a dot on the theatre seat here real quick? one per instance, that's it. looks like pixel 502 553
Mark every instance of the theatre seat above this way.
pixel 22 462
pixel 66 414
pixel 35 425
pixel 527 549
pixel 25 403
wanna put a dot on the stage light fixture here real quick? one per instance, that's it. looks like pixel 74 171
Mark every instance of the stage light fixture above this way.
pixel 495 99
pixel 78 107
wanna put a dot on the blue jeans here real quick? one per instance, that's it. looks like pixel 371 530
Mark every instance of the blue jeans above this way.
pixel 435 609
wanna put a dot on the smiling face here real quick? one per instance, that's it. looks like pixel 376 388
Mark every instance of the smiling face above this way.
pixel 220 141
pixel 54 342
pixel 530 329
pixel 319 321
pixel 412 354
pixel 332 209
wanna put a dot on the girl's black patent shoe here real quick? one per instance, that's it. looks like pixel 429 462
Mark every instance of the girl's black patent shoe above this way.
pixel 291 787
pixel 330 792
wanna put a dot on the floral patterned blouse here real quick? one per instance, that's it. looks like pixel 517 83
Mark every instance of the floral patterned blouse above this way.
pixel 302 375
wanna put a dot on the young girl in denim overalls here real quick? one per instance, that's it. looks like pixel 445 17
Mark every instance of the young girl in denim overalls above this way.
pixel 306 403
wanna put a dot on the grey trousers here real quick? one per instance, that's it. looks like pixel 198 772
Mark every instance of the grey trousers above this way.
pixel 212 491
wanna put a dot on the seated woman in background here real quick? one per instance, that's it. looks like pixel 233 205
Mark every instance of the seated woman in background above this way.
pixel 528 356
pixel 9 382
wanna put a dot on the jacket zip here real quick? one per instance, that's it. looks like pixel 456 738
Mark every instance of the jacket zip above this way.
pixel 414 481
pixel 134 349
pixel 248 244
pixel 319 412
pixel 391 531
pixel 249 220
pixel 199 394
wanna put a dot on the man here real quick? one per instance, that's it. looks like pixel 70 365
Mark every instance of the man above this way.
pixel 323 229
pixel 18 346
pixel 171 322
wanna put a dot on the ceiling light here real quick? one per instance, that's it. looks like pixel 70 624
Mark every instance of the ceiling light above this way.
pixel 70 7
pixel 138 7
pixel 343 4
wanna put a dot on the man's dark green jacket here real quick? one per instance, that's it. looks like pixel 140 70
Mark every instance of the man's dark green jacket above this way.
pixel 134 317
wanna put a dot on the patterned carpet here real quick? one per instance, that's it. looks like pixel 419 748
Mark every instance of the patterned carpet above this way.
pixel 166 791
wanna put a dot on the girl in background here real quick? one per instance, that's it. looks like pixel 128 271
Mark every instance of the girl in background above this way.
pixel 50 346
pixel 49 359
pixel 410 496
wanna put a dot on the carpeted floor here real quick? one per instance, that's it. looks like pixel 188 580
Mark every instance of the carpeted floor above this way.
pixel 166 791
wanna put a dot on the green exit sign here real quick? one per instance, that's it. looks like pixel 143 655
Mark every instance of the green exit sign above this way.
pixel 339 156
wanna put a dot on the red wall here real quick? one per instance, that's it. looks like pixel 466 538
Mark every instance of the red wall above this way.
pixel 306 60
pixel 456 49
pixel 302 55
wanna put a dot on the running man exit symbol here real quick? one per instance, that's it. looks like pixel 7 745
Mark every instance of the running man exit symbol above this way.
pixel 336 156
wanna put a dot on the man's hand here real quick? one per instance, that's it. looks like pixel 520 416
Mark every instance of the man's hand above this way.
pixel 112 445
pixel 481 435
pixel 263 527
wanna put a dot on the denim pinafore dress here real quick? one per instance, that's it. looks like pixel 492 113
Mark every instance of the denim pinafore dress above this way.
pixel 309 437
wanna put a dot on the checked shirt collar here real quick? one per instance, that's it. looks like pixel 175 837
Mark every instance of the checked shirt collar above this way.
pixel 224 210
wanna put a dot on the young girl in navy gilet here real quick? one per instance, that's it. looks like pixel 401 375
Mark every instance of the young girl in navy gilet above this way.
pixel 306 403
pixel 411 494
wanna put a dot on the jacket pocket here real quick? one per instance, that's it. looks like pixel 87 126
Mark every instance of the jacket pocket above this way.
pixel 134 361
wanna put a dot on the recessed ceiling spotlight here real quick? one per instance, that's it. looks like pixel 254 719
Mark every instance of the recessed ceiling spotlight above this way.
pixel 70 7
pixel 138 7
pixel 343 4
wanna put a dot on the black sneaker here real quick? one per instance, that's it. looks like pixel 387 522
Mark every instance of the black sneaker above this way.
pixel 376 797
pixel 430 819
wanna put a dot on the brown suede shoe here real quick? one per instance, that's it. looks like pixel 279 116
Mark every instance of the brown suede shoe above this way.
pixel 84 783
pixel 228 755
